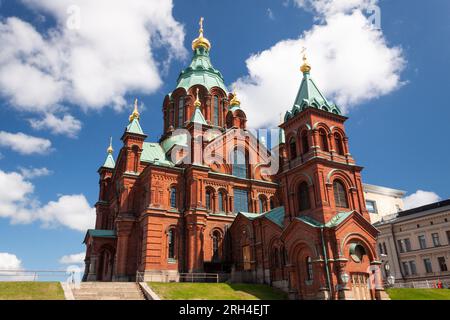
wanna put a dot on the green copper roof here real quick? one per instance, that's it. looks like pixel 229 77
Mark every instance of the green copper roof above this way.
pixel 176 139
pixel 98 233
pixel 109 162
pixel 201 71
pixel 153 152
pixel 335 221
pixel 197 117
pixel 275 215
pixel 134 127
pixel 309 96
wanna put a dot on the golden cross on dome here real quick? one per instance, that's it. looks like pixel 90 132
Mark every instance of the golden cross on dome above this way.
pixel 305 68
pixel 135 114
pixel 201 24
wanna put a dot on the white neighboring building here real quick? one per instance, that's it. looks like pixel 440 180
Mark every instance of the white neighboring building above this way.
pixel 415 245
pixel 382 203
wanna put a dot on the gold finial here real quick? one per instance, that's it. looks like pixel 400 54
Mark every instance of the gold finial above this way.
pixel 306 67
pixel 235 101
pixel 110 149
pixel 135 114
pixel 197 102
pixel 201 41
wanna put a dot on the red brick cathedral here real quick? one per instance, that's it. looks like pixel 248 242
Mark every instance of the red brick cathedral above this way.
pixel 210 198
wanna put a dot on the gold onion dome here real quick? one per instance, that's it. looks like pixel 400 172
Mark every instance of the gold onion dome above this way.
pixel 110 149
pixel 235 101
pixel 306 67
pixel 135 114
pixel 197 102
pixel 201 41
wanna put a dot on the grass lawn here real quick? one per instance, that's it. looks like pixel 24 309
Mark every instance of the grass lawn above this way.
pixel 215 291
pixel 31 291
pixel 418 294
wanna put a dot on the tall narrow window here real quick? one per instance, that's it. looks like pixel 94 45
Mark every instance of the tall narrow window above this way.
pixel 305 144
pixel 323 140
pixel 303 196
pixel 173 197
pixel 181 112
pixel 216 110
pixel 221 199
pixel 216 245
pixel 292 149
pixel 239 164
pixel 338 143
pixel 272 204
pixel 275 258
pixel 340 195
pixel 208 200
pixel 309 268
pixel 262 204
pixel 240 200
pixel 171 244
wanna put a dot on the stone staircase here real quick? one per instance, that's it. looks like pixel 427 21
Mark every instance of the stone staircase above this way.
pixel 108 291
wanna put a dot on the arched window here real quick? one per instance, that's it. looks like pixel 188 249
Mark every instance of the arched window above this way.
pixel 262 204
pixel 216 245
pixel 340 195
pixel 305 144
pixel 338 143
pixel 135 150
pixel 309 268
pixel 173 197
pixel 276 260
pixel 172 115
pixel 323 140
pixel 216 110
pixel 303 196
pixel 292 149
pixel 208 200
pixel 180 112
pixel 271 203
pixel 239 164
pixel 171 238
pixel 221 200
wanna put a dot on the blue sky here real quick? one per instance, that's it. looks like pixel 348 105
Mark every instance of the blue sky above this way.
pixel 398 135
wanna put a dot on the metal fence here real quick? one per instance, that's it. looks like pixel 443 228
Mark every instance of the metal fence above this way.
pixel 38 275
pixel 426 284
pixel 182 277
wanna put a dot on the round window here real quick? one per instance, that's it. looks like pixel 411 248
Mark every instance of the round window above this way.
pixel 357 252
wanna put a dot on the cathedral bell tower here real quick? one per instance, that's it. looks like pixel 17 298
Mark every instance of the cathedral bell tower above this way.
pixel 319 176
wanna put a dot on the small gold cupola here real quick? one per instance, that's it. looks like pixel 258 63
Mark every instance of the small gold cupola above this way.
pixel 110 149
pixel 197 102
pixel 306 67
pixel 201 41
pixel 135 114
pixel 235 101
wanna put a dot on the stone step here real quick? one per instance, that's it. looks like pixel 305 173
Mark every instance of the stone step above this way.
pixel 108 291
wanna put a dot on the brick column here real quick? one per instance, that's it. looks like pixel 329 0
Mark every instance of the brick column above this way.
pixel 123 234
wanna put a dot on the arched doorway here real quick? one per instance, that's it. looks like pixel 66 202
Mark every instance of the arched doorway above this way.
pixel 306 276
pixel 106 264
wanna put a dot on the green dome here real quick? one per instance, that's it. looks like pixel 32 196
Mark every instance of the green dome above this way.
pixel 201 72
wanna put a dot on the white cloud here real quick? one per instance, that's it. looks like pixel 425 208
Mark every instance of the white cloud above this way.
pixel 25 144
pixel 270 14
pixel 351 63
pixel 77 258
pixel 30 173
pixel 110 54
pixel 67 125
pixel 420 198
pixel 18 203
pixel 9 261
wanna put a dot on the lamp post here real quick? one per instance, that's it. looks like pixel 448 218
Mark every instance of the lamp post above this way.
pixel 391 280
pixel 345 278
